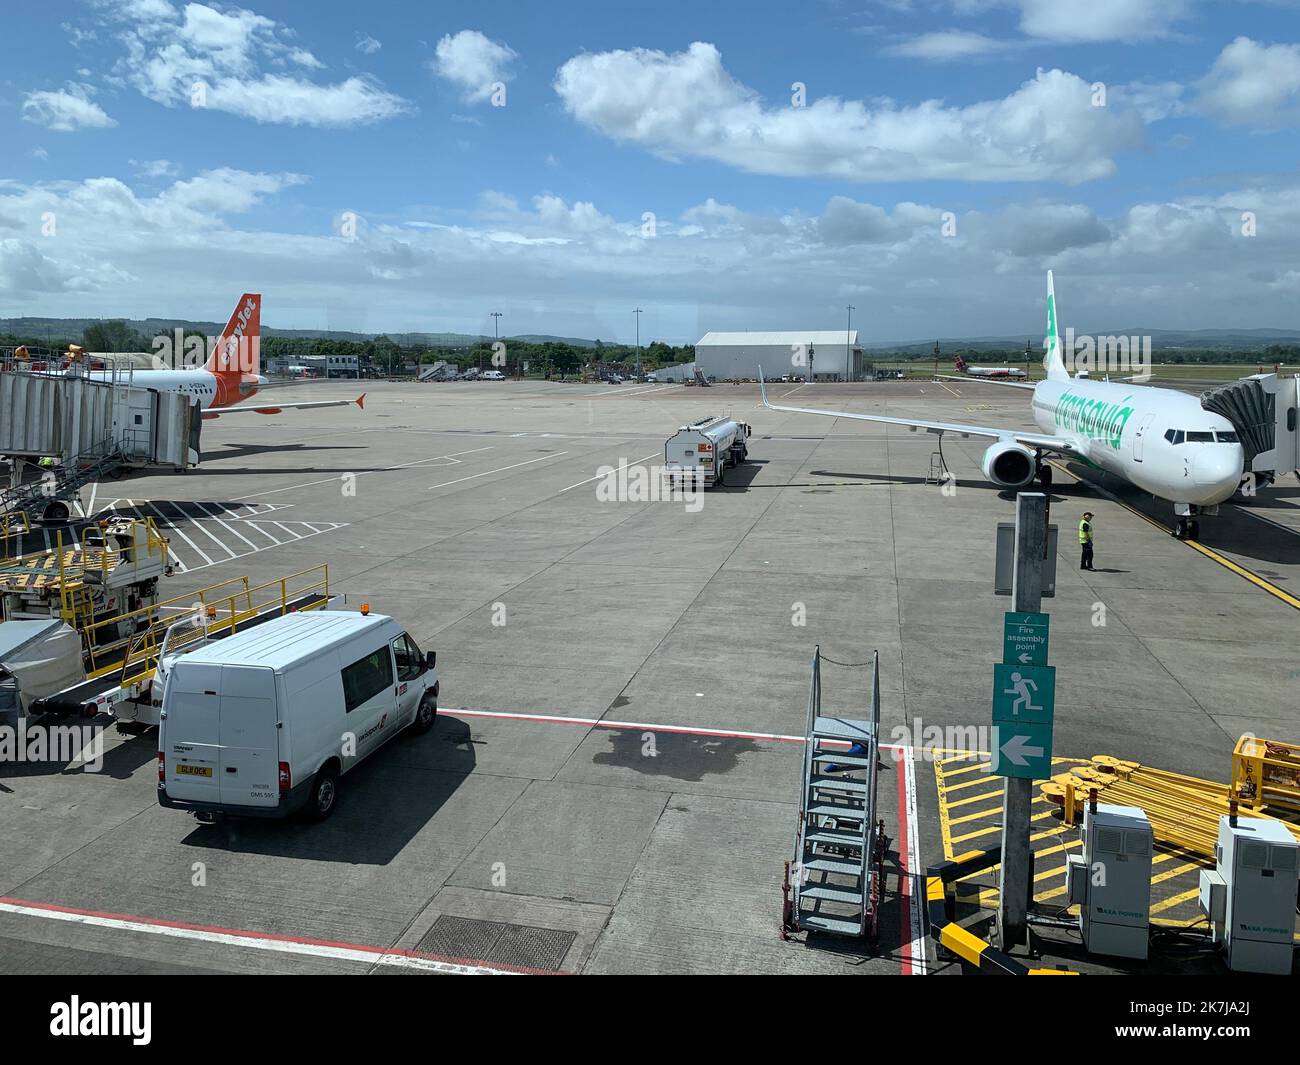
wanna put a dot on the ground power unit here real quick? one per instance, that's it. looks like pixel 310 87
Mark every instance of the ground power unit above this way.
pixel 1111 880
pixel 1250 894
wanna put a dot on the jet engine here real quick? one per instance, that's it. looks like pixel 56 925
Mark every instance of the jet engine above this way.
pixel 1009 465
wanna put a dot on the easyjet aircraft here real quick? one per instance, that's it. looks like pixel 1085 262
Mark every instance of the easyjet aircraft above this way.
pixel 232 372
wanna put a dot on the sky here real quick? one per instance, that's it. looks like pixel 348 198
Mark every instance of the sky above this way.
pixel 393 167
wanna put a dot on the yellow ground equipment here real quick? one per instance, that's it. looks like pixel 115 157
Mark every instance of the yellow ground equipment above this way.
pixel 112 568
pixel 120 670
pixel 1266 773
pixel 1184 811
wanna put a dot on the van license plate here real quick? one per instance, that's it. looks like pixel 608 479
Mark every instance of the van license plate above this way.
pixel 194 770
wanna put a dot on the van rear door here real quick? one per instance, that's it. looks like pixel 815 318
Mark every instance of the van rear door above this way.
pixel 188 738
pixel 249 737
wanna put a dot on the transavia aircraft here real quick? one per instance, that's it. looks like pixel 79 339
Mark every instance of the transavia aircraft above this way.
pixel 988 371
pixel 1162 441
pixel 231 374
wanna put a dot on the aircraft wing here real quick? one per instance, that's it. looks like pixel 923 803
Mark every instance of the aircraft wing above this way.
pixel 276 408
pixel 988 381
pixel 1049 443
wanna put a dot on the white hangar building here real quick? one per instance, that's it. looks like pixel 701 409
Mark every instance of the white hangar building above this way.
pixel 834 354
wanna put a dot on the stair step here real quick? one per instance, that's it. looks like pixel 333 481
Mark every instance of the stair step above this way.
pixel 853 811
pixel 831 893
pixel 838 784
pixel 820 863
pixel 842 728
pixel 833 837
pixel 831 924
pixel 841 758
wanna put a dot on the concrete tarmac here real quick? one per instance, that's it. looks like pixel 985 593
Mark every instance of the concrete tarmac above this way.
pixel 612 784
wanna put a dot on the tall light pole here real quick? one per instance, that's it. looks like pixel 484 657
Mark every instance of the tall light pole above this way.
pixel 848 347
pixel 496 336
pixel 637 312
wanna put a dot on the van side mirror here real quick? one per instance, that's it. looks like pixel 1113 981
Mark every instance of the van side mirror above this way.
pixel 430 659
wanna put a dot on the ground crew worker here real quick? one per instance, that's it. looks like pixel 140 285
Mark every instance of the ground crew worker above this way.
pixel 1085 540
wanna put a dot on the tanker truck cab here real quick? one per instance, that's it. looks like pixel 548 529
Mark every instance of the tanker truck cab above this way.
pixel 265 722
pixel 704 450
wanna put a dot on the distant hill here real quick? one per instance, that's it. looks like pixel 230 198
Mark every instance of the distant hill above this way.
pixel 75 327
pixel 1161 339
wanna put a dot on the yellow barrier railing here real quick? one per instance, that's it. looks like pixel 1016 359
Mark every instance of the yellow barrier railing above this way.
pixel 217 610
pixel 14 525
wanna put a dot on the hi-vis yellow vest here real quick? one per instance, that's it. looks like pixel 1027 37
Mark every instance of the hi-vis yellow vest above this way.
pixel 1085 531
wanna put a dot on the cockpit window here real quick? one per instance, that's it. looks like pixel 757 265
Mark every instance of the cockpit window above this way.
pixel 1200 436
pixel 1174 436
pixel 1226 437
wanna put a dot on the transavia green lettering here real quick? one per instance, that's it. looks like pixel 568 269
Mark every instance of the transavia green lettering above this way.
pixel 1093 418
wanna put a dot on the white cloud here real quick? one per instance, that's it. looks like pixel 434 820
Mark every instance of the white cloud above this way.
pixel 574 267
pixel 1100 20
pixel 153 169
pixel 1253 84
pixel 687 104
pixel 944 45
pixel 367 45
pixel 226 191
pixel 473 63
pixel 227 53
pixel 40 153
pixel 66 110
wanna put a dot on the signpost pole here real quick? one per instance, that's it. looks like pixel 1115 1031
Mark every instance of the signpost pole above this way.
pixel 1027 597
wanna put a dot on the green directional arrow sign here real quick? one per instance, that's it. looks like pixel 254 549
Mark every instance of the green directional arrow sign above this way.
pixel 1024 639
pixel 1022 751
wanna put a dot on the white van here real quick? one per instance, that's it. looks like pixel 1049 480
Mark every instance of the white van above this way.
pixel 263 723
pixel 492 375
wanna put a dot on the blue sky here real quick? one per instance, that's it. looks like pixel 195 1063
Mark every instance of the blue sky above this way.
pixel 395 166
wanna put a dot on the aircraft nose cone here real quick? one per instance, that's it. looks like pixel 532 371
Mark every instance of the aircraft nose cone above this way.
pixel 1219 468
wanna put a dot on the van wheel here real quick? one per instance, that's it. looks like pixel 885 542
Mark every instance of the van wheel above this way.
pixel 425 716
pixel 324 795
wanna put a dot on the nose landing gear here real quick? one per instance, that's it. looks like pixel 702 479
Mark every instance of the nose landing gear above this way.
pixel 1187 529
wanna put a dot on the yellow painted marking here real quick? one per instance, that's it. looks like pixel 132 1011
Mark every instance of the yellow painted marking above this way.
pixel 1174 900
pixel 991 811
pixel 964 769
pixel 976 835
pixel 1208 552
pixel 968 784
pixel 988 796
pixel 934 889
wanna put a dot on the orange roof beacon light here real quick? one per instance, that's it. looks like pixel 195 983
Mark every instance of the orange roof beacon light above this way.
pixel 365 609
pixel 212 612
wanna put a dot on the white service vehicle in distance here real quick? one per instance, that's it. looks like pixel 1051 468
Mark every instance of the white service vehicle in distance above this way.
pixel 265 722
pixel 704 450
pixel 492 375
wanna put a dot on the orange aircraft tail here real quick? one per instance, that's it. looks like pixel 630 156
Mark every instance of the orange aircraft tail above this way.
pixel 238 350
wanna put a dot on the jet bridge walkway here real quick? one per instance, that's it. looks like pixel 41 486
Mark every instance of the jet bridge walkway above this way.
pixel 1263 409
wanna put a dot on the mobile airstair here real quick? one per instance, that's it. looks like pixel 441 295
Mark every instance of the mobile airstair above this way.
pixel 833 881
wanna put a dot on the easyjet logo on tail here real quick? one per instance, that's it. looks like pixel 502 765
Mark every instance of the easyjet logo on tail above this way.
pixel 239 349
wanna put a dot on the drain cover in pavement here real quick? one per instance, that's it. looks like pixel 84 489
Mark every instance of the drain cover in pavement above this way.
pixel 498 942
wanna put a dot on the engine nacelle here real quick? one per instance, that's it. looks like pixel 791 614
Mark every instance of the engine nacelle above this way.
pixel 1009 465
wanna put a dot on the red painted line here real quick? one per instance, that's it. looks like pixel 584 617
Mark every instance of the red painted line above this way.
pixel 905 879
pixel 274 937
